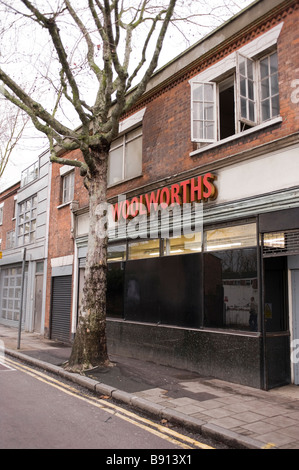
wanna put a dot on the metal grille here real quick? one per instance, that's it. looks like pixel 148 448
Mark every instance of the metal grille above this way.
pixel 281 243
pixel 61 308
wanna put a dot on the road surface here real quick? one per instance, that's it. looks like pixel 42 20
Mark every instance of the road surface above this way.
pixel 42 411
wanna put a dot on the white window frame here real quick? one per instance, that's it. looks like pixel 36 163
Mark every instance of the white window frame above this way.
pixel 30 174
pixel 27 225
pixel 240 96
pixel 201 118
pixel 270 83
pixel 124 140
pixel 254 52
pixel 68 184
pixel 125 127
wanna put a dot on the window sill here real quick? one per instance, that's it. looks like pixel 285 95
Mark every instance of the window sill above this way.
pixel 123 181
pixel 64 204
pixel 238 136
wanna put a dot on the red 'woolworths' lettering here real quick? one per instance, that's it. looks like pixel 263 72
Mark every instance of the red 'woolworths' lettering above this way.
pixel 197 189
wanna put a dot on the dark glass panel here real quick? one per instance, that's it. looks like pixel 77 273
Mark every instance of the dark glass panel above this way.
pixel 231 289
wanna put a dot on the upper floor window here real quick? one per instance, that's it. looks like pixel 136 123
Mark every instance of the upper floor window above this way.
pixel 247 97
pixel 1 213
pixel 27 221
pixel 125 157
pixel 68 181
pixel 30 174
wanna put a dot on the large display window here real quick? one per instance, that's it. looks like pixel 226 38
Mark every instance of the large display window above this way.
pixel 202 280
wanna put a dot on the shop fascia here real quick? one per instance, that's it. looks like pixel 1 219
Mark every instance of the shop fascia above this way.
pixel 178 208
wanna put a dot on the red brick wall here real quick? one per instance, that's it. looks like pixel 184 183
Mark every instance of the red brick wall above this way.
pixel 61 242
pixel 167 135
pixel 8 213
pixel 167 127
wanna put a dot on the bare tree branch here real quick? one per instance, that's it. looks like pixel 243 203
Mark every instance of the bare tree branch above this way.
pixel 11 131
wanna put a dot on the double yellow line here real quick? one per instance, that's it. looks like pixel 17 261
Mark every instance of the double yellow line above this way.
pixel 163 432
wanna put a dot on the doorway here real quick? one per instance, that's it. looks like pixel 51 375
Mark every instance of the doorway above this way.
pixel 276 325
pixel 61 308
pixel 38 302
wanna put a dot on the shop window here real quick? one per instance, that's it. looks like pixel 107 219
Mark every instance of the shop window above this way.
pixel 144 249
pixel 27 221
pixel 227 238
pixel 68 187
pixel 116 253
pixel 230 281
pixel 125 157
pixel 115 290
pixel 184 244
pixel 247 98
pixel 231 289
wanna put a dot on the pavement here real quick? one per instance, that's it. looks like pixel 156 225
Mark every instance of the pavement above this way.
pixel 240 416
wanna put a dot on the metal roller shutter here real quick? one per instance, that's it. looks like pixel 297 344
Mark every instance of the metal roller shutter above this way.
pixel 61 308
pixel 283 243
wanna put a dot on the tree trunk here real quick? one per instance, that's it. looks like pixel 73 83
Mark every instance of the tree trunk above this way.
pixel 90 347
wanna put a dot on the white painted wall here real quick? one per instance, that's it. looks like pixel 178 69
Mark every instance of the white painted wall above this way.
pixel 261 175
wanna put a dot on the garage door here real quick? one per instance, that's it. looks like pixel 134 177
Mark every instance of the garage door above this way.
pixel 61 308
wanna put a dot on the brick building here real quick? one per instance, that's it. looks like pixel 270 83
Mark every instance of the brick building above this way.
pixel 217 127
pixel 8 216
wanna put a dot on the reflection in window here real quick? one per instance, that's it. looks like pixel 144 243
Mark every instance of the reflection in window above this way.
pixel 269 87
pixel 68 187
pixel 182 245
pixel 116 253
pixel 227 238
pixel 231 289
pixel 125 157
pixel 144 249
pixel 274 240
pixel 30 174
pixel 115 290
pixel 27 221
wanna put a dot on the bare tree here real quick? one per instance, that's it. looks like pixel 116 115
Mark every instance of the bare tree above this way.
pixel 86 49
pixel 12 125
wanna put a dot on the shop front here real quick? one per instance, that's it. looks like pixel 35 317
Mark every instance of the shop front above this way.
pixel 213 289
pixel 190 302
